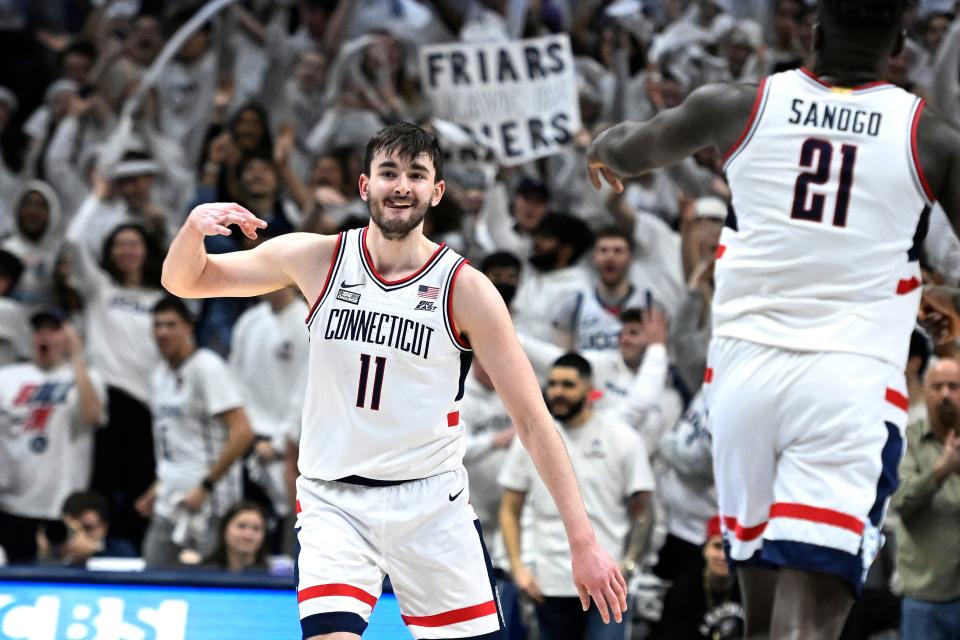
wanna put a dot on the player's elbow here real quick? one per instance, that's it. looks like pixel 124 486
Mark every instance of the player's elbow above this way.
pixel 175 283
pixel 170 282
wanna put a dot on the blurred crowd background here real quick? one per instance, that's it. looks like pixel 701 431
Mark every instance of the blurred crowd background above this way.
pixel 136 425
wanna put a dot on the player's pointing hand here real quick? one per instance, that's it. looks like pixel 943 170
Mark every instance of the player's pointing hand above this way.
pixel 597 576
pixel 214 219
pixel 596 167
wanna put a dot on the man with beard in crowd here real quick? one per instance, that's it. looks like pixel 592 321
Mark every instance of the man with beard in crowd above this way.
pixel 382 440
pixel 928 501
pixel 614 474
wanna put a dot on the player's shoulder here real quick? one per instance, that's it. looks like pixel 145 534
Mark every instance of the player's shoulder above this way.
pixel 724 99
pixel 938 142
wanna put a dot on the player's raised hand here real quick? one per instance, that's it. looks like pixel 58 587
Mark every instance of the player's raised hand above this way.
pixel 939 314
pixel 597 576
pixel 213 219
pixel 597 167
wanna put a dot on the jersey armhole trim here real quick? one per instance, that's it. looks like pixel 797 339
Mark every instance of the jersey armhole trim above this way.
pixel 335 260
pixel 750 127
pixel 915 152
pixel 458 340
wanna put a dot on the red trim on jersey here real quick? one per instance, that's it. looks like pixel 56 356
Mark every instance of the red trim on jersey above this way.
pixel 453 418
pixel 816 514
pixel 326 281
pixel 708 375
pixel 906 286
pixel 721 249
pixel 326 590
pixel 897 399
pixel 916 154
pixel 826 85
pixel 298 507
pixel 746 534
pixel 746 130
pixel 452 617
pixel 595 394
pixel 453 281
pixel 369 260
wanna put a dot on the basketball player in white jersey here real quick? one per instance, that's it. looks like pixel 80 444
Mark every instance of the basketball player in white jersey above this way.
pixel 833 173
pixel 394 322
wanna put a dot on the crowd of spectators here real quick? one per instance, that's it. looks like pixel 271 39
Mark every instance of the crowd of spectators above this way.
pixel 135 424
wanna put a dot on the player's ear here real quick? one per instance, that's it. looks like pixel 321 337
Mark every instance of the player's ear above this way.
pixel 439 188
pixel 364 186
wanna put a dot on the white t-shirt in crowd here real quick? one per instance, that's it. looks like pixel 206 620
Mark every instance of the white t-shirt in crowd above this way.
pixel 539 295
pixel 188 433
pixel 611 465
pixel 48 447
pixel 118 320
pixel 15 339
pixel 268 355
pixel 485 416
pixel 657 262
pixel 685 488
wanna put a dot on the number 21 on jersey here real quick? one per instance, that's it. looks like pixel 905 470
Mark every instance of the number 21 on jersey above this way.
pixel 816 156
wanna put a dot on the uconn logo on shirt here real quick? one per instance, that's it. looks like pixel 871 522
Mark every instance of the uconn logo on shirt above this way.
pixel 55 617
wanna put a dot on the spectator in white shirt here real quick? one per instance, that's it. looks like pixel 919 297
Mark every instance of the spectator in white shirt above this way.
pixel 590 319
pixel 14 330
pixel 36 241
pixel 615 479
pixel 200 431
pixel 48 410
pixel 506 224
pixel 269 357
pixel 633 381
pixel 126 197
pixel 551 275
pixel 119 288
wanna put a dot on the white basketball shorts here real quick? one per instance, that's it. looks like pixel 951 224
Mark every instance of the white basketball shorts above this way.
pixel 423 534
pixel 806 447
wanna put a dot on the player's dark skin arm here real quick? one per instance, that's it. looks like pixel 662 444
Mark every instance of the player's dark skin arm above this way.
pixel 939 148
pixel 713 115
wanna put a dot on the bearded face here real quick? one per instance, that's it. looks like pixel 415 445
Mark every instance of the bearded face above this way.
pixel 397 216
pixel 399 191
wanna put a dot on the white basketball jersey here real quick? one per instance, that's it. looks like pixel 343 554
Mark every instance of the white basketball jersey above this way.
pixel 596 325
pixel 830 205
pixel 386 370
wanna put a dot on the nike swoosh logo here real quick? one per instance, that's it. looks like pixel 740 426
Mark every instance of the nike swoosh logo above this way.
pixel 344 285
pixel 455 496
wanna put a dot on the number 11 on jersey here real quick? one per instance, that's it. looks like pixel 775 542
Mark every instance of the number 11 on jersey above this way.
pixel 379 363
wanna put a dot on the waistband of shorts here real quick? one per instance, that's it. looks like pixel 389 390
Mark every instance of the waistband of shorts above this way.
pixel 370 482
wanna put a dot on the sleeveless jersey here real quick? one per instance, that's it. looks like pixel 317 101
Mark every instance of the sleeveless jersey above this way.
pixel 820 251
pixel 386 370
pixel 597 326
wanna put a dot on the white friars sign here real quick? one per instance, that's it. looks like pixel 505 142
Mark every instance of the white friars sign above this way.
pixel 518 98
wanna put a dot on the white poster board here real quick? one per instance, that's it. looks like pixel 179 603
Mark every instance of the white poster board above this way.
pixel 517 97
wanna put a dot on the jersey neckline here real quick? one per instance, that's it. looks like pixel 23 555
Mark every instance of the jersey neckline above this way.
pixel 368 259
pixel 826 85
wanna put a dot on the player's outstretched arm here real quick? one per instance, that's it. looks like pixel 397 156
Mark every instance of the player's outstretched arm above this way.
pixel 939 149
pixel 189 272
pixel 713 115
pixel 479 312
